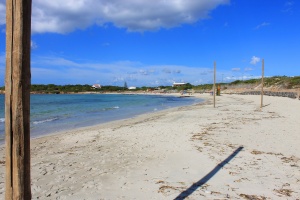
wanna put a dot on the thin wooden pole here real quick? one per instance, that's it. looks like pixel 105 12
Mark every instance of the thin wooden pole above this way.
pixel 17 99
pixel 262 83
pixel 214 88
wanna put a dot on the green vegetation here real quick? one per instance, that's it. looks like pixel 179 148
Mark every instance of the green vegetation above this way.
pixel 203 87
pixel 295 80
pixel 185 87
pixel 249 81
pixel 282 81
pixel 56 89
pixel 163 87
pixel 286 82
pixel 110 88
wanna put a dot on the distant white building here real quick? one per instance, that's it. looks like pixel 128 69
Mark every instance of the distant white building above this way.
pixel 96 86
pixel 132 88
pixel 178 84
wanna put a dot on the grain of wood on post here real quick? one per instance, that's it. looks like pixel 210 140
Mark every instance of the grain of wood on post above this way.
pixel 17 99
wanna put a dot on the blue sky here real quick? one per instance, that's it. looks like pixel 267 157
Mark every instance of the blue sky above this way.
pixel 152 43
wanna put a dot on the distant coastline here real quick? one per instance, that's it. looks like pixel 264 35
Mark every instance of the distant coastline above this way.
pixel 251 86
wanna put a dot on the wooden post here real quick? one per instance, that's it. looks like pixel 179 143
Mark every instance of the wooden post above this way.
pixel 262 83
pixel 17 99
pixel 214 88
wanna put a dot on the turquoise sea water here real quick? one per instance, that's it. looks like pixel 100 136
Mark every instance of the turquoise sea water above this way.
pixel 53 113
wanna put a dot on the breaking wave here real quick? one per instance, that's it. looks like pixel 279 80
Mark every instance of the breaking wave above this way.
pixel 46 120
pixel 111 108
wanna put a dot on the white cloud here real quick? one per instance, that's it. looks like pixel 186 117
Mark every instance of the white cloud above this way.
pixel 166 70
pixel 254 60
pixel 288 7
pixel 236 69
pixel 143 15
pixel 2 12
pixel 170 70
pixel 33 45
pixel 289 3
pixel 64 71
pixel 262 25
pixel 248 69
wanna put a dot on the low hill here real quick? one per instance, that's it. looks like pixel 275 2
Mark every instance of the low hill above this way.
pixel 275 83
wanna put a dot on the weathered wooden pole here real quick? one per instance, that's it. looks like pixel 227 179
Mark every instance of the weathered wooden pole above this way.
pixel 262 83
pixel 214 88
pixel 17 99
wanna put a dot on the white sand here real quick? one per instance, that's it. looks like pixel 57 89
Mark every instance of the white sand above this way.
pixel 163 154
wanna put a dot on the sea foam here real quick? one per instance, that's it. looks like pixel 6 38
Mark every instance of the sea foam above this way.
pixel 111 108
pixel 46 120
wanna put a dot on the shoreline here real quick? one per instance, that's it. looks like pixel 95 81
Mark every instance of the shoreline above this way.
pixel 197 151
pixel 35 134
pixel 116 122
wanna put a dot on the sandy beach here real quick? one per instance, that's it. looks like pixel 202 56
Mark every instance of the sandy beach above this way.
pixel 233 151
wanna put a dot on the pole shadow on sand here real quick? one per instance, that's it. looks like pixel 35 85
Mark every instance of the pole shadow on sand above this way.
pixel 206 178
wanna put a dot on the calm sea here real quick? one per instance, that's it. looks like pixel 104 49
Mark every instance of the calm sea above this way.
pixel 53 113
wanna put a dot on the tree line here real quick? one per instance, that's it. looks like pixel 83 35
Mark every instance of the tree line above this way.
pixel 287 82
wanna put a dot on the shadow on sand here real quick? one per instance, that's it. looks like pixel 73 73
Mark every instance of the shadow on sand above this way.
pixel 206 178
